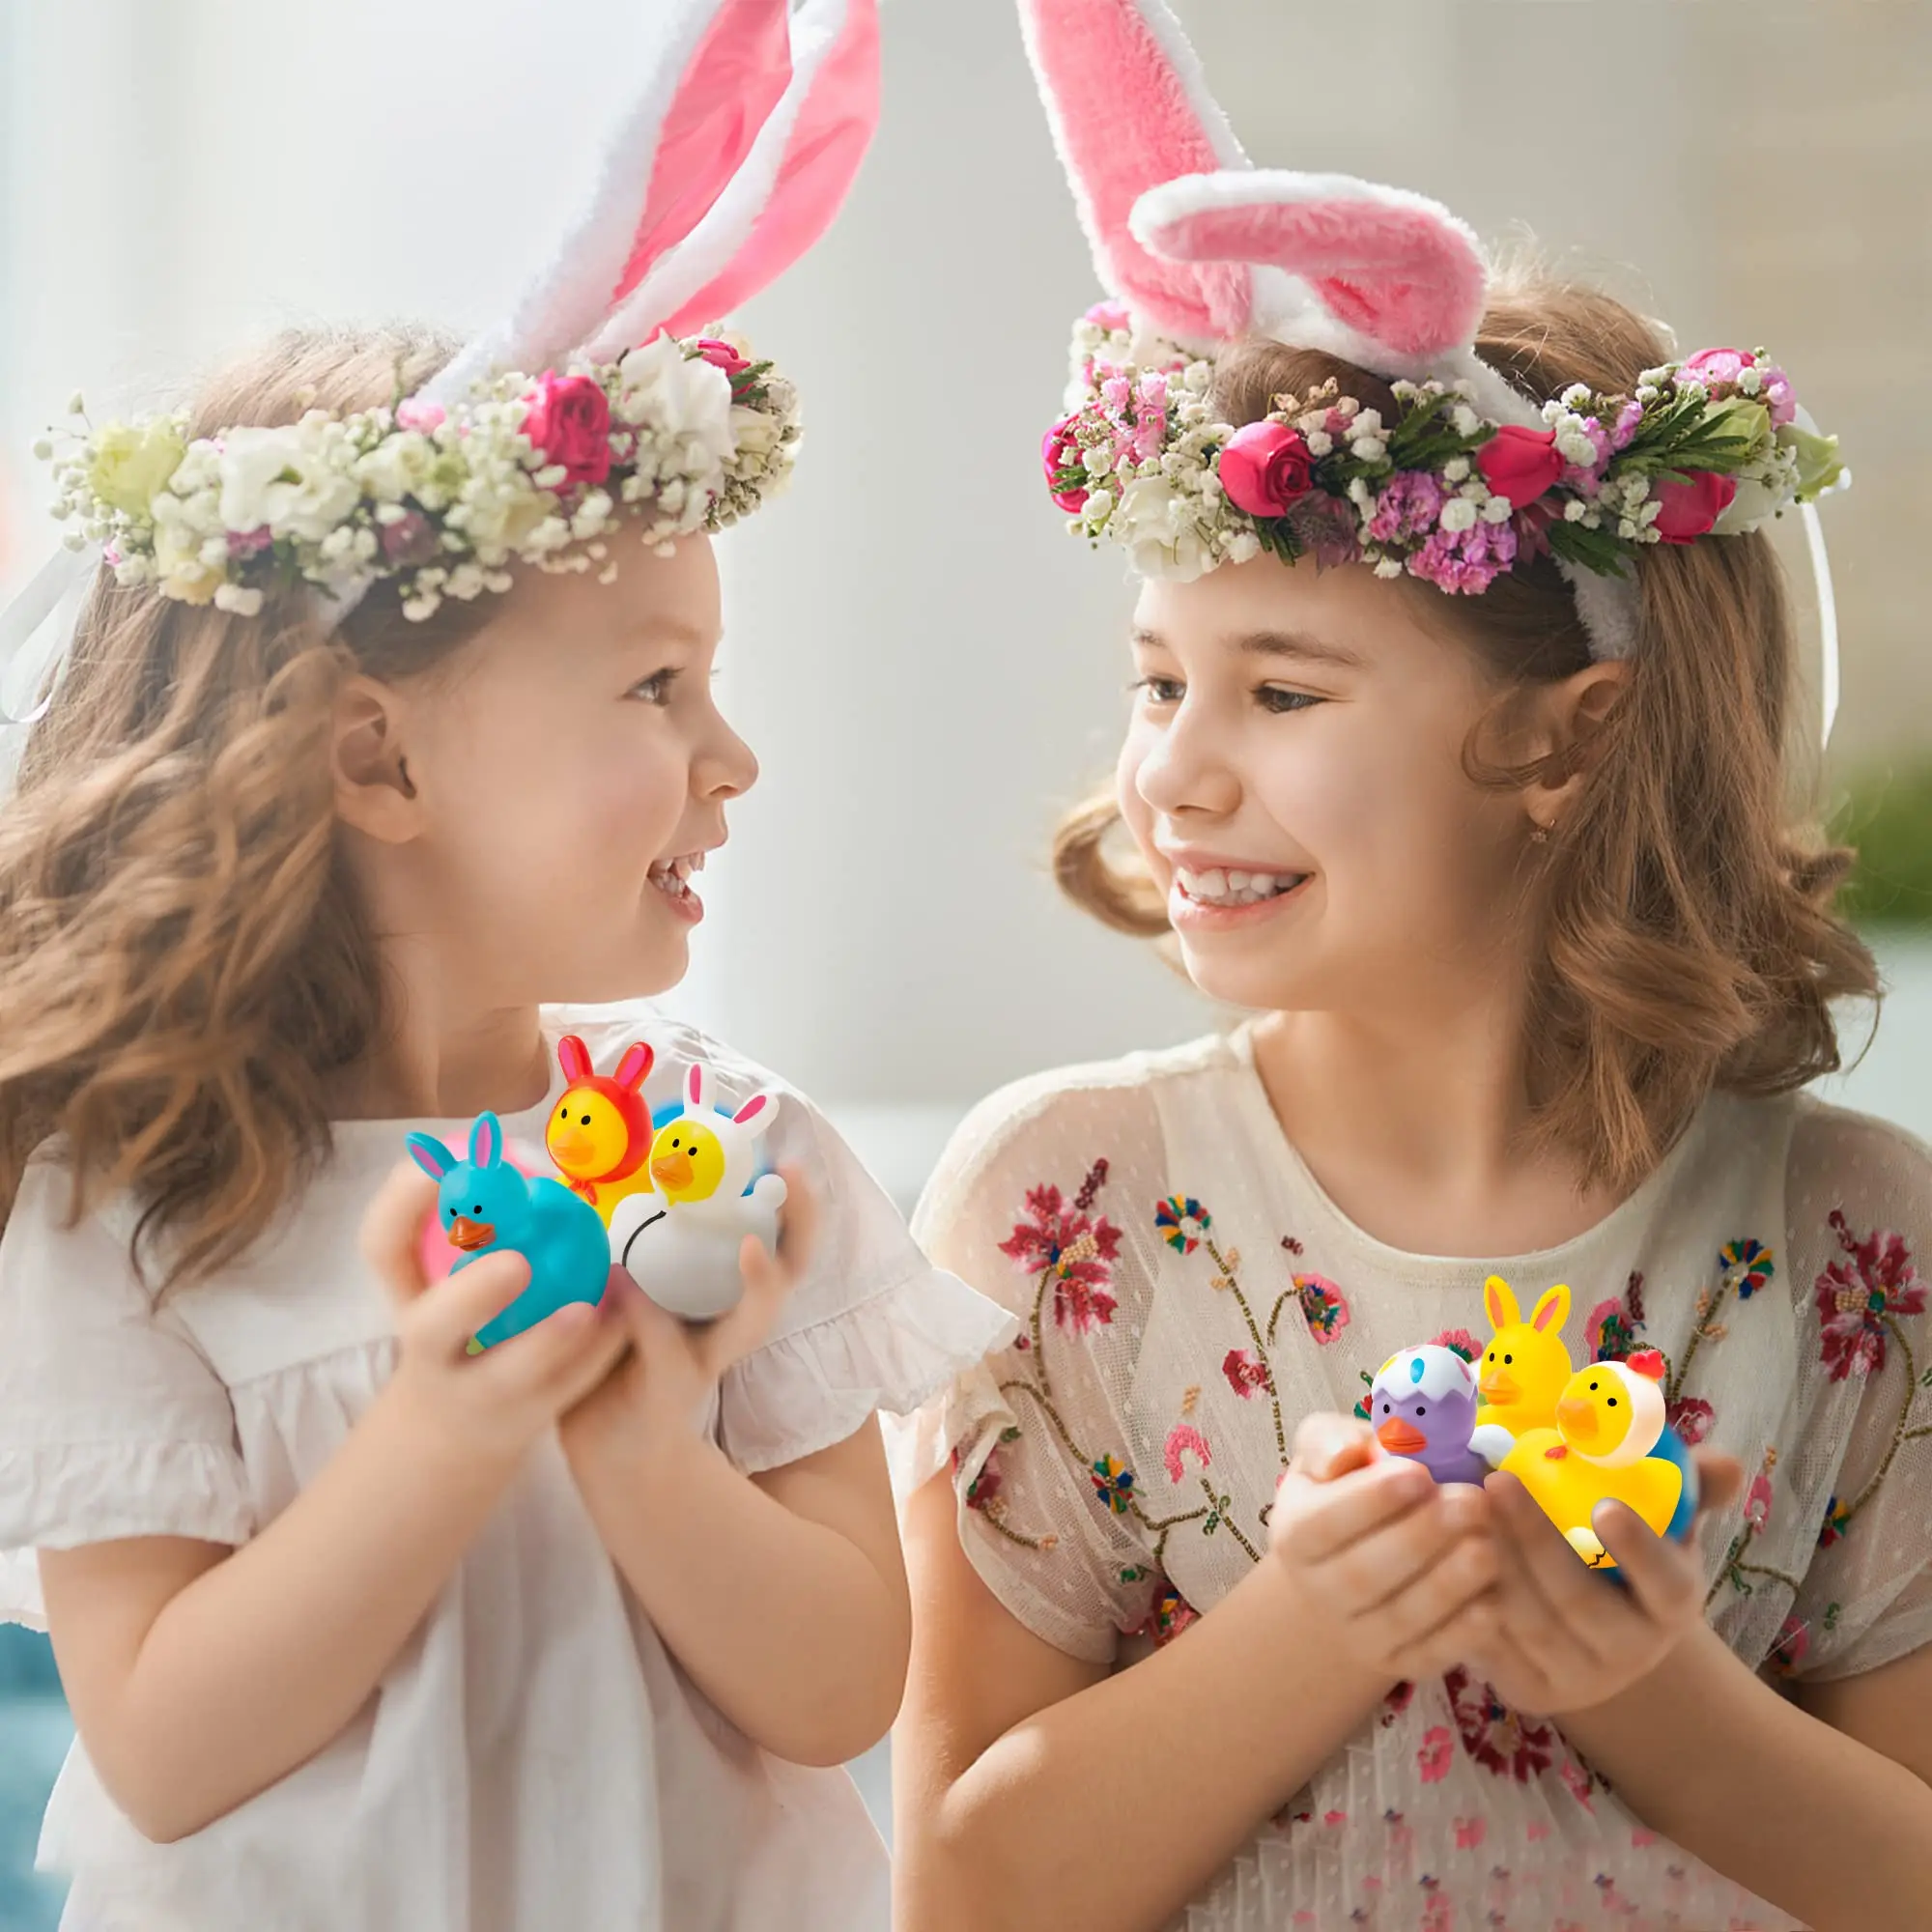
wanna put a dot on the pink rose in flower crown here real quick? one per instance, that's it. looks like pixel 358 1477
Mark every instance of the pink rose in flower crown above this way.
pixel 1721 368
pixel 567 419
pixel 1266 469
pixel 722 355
pixel 1692 504
pixel 1518 465
pixel 1111 316
pixel 1059 449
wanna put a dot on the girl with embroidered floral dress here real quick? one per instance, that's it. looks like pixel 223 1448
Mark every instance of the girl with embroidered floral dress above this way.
pixel 1487 840
pixel 390 729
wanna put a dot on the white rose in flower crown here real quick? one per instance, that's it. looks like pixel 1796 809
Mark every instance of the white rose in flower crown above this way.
pixel 661 389
pixel 396 468
pixel 281 478
pixel 1157 523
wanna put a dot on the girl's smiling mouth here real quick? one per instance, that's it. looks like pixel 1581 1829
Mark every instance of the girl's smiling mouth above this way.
pixel 672 878
pixel 1208 892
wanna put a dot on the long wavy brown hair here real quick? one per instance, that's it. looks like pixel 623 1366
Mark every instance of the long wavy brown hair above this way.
pixel 183 961
pixel 1688 938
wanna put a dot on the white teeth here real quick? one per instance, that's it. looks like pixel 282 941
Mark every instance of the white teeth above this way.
pixel 1230 888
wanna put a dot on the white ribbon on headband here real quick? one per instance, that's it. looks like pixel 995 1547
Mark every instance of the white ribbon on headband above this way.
pixel 53 592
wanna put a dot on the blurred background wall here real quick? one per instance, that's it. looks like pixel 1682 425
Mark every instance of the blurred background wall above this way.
pixel 929 670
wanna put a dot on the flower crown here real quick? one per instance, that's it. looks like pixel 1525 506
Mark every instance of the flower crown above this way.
pixel 682 435
pixel 1708 447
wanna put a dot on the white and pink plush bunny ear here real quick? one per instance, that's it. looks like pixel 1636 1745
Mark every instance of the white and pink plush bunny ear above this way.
pixel 783 199
pixel 731 120
pixel 1380 277
pixel 1129 109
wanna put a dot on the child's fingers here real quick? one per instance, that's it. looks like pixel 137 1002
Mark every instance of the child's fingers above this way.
pixel 565 1354
pixel 1721 1480
pixel 450 1311
pixel 799 1221
pixel 1561 1586
pixel 1312 1522
pixel 768 1281
pixel 1444 1548
pixel 1662 1576
pixel 1463 1578
pixel 392 1230
pixel 1326 1446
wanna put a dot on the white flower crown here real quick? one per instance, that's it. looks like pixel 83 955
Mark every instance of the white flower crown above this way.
pixel 683 436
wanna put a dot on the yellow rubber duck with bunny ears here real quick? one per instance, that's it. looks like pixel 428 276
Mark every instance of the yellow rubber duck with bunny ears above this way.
pixel 1526 1366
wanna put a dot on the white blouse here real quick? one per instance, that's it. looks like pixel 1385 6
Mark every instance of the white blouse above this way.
pixel 535 1758
pixel 1189 1294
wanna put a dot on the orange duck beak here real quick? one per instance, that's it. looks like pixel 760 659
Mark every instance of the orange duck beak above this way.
pixel 1578 1420
pixel 571 1147
pixel 1401 1438
pixel 1499 1389
pixel 469 1236
pixel 671 1170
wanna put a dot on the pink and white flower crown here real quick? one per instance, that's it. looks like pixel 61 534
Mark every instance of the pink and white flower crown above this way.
pixel 676 437
pixel 746 128
pixel 1199 252
pixel 1708 447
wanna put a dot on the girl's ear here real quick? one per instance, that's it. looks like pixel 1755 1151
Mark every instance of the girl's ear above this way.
pixel 574 1057
pixel 486 1141
pixel 371 772
pixel 430 1155
pixel 1565 732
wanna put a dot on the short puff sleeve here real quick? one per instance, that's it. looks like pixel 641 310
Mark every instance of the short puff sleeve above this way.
pixel 871 1325
pixel 1022 1206
pixel 112 1422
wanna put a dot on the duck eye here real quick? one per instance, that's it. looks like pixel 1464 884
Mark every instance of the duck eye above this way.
pixel 1613 1401
pixel 1507 1360
pixel 586 1120
pixel 1420 1413
pixel 1593 1388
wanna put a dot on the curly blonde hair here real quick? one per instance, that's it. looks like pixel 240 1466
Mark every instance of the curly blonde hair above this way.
pixel 1688 937
pixel 184 962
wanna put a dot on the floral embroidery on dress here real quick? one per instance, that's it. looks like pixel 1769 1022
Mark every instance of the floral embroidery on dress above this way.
pixel 1860 1298
pixel 1113 1483
pixel 1184 1439
pixel 1752 1261
pixel 1613 1327
pixel 1459 1341
pixel 1070 1248
pixel 1734 1569
pixel 1435 1754
pixel 1168 1615
pixel 1838 1519
pixel 1500 1740
pixel 1246 1372
pixel 1071 1251
pixel 1324 1307
pixel 1182 1221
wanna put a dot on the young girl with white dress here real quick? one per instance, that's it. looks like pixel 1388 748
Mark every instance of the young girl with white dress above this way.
pixel 382 762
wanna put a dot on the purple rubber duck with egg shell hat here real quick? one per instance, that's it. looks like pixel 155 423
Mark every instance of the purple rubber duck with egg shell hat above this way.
pixel 1423 1404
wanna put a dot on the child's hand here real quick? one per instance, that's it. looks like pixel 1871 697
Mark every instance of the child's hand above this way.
pixel 1398 1569
pixel 661 1391
pixel 1565 1637
pixel 497 1403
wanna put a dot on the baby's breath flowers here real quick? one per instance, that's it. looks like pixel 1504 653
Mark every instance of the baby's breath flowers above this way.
pixel 677 436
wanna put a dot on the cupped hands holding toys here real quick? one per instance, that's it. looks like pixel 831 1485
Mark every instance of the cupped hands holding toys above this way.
pixel 1413 1576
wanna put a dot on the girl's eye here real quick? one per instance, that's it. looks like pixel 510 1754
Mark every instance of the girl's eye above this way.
pixel 1278 698
pixel 1161 689
pixel 655 689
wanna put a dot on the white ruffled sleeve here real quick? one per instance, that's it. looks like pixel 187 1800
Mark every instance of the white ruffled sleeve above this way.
pixel 112 1423
pixel 874 1325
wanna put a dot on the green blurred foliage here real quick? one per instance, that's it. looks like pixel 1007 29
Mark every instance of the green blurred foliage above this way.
pixel 1887 816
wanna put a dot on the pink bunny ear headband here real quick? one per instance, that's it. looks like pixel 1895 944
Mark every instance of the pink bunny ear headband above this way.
pixel 1200 250
pixel 745 136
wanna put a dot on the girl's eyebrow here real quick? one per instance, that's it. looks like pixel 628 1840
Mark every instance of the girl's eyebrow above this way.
pixel 1269 644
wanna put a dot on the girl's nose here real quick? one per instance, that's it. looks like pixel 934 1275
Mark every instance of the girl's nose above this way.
pixel 1185 772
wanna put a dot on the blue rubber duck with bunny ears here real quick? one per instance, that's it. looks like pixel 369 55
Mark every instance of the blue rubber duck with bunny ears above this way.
pixel 486 1207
